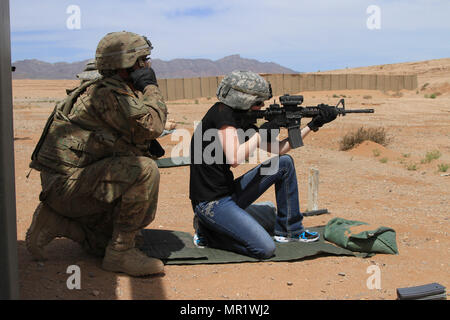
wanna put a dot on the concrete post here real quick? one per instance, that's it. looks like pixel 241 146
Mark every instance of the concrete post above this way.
pixel 313 189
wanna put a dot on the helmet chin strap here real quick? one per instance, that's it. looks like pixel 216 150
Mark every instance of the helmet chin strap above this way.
pixel 128 73
pixel 225 91
pixel 141 63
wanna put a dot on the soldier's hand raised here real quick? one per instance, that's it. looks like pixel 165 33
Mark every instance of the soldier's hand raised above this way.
pixel 142 78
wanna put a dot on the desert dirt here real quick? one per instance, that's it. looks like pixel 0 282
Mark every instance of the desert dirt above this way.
pixel 382 185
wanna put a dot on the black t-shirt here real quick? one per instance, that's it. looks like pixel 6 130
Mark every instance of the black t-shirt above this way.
pixel 210 175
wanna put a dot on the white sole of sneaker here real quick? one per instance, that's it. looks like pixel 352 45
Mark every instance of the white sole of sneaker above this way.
pixel 194 241
pixel 308 240
pixel 282 239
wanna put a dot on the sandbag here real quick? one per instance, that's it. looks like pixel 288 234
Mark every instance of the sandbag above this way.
pixel 360 236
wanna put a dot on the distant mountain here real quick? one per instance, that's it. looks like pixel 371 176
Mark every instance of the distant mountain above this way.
pixel 36 69
pixel 189 68
pixel 177 68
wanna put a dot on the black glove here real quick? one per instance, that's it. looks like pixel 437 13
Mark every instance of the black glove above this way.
pixel 269 126
pixel 326 114
pixel 156 149
pixel 142 78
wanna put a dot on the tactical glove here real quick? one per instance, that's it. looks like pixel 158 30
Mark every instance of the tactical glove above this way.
pixel 142 78
pixel 156 149
pixel 326 114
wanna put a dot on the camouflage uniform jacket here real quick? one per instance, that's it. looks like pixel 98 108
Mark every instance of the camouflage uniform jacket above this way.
pixel 106 118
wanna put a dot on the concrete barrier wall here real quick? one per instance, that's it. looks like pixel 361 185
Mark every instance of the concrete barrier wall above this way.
pixel 191 88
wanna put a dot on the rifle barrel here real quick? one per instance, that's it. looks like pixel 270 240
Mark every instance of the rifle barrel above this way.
pixel 307 112
pixel 356 111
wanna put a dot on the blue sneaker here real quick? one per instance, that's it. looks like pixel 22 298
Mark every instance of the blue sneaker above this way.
pixel 199 241
pixel 305 236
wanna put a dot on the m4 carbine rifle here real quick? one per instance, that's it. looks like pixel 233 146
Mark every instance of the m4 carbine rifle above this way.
pixel 290 115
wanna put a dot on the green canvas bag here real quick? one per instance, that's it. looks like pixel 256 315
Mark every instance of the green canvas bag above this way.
pixel 360 236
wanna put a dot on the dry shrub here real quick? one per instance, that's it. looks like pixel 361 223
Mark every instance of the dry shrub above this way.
pixel 352 139
pixel 424 86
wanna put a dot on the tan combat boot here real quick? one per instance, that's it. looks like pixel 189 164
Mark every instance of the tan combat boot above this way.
pixel 139 239
pixel 122 256
pixel 46 226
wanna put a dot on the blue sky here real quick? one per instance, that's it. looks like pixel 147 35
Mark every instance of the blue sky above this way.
pixel 302 35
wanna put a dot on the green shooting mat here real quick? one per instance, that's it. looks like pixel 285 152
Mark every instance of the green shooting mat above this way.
pixel 173 162
pixel 177 248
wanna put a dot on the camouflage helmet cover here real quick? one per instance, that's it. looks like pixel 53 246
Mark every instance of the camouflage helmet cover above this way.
pixel 120 50
pixel 90 72
pixel 243 89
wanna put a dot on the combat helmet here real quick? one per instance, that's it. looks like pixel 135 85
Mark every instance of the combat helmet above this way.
pixel 120 50
pixel 243 89
pixel 90 72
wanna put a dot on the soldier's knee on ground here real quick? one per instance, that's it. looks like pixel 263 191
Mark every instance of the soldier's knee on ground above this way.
pixel 47 225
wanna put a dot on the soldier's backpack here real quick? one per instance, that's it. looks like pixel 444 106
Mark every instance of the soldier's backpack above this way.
pixel 65 150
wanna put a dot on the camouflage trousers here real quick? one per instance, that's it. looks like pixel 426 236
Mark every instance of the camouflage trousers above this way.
pixel 119 194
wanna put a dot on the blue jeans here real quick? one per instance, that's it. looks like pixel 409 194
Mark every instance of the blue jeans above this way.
pixel 226 225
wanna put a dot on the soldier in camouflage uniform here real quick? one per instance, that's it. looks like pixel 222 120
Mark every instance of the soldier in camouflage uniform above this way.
pixel 96 158
pixel 90 72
